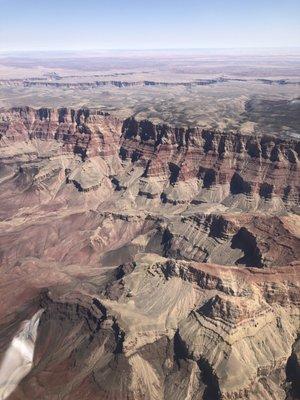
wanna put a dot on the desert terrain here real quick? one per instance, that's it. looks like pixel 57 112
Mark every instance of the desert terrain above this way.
pixel 149 226
pixel 250 92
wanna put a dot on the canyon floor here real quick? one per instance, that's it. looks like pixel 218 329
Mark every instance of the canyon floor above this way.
pixel 143 258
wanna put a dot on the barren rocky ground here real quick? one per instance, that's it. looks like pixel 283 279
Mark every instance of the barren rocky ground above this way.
pixel 255 93
pixel 164 260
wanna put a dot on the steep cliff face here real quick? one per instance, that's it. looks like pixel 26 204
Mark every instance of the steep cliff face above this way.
pixel 81 131
pixel 168 329
pixel 262 167
pixel 165 259
pixel 56 81
pixel 245 165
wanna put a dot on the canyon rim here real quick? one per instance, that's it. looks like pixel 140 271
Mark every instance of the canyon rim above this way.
pixel 149 200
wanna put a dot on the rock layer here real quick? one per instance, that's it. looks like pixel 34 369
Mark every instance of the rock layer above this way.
pixel 166 259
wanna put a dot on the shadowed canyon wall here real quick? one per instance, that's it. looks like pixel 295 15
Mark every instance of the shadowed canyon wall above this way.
pixel 166 259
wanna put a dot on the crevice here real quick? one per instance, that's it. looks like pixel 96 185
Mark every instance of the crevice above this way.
pixel 125 269
pixel 166 242
pixel 146 171
pixel 136 155
pixel 222 147
pixel 287 192
pixel 80 151
pixel 246 241
pixel 146 130
pixel 119 337
pixel 253 149
pixel 163 198
pixel 209 378
pixel 208 141
pixel 179 349
pixel 266 191
pixel 174 173
pixel 62 112
pixel 209 178
pixel 292 371
pixel 238 185
pixel 116 183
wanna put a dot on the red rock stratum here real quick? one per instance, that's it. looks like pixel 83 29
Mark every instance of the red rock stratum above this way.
pixel 165 260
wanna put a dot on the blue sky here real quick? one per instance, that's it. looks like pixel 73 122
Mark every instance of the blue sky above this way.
pixel 147 24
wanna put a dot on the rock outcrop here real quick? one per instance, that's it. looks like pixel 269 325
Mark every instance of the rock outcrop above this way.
pixel 262 167
pixel 72 82
pixel 166 260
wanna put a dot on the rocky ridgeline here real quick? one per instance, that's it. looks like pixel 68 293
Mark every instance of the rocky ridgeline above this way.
pixel 56 82
pixel 165 260
pixel 262 165
pixel 218 326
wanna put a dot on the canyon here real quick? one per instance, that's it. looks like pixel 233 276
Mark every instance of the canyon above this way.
pixel 165 259
pixel 251 93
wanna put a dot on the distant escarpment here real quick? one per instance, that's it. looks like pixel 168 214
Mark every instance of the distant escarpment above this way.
pixel 77 82
pixel 163 261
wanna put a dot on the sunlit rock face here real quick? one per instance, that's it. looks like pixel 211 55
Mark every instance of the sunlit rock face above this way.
pixel 166 260
pixel 17 360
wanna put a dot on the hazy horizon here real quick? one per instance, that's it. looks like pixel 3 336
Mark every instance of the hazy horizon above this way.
pixel 127 25
pixel 139 52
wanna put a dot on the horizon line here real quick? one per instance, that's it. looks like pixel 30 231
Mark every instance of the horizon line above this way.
pixel 150 49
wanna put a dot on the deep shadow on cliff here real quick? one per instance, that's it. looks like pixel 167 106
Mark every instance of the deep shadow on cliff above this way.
pixel 165 259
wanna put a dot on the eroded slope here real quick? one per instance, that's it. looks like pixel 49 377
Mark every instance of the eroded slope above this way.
pixel 205 227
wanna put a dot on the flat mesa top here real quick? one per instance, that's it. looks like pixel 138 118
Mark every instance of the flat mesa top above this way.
pixel 249 91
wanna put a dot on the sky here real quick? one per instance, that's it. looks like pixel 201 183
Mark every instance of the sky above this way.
pixel 147 24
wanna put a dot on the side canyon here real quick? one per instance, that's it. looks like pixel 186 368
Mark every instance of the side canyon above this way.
pixel 163 262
